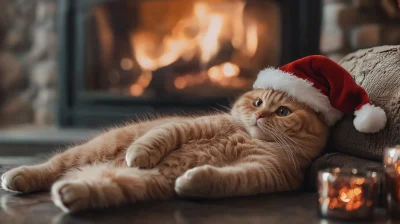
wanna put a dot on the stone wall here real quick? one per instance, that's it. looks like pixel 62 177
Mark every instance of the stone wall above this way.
pixel 27 62
pixel 349 25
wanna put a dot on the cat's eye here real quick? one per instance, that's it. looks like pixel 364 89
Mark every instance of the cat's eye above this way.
pixel 283 111
pixel 257 103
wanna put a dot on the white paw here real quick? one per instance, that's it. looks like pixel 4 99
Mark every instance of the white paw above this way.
pixel 194 182
pixel 189 174
pixel 16 181
pixel 183 180
pixel 140 156
pixel 70 195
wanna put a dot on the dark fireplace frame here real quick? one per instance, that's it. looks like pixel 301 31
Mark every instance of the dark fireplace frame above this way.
pixel 300 37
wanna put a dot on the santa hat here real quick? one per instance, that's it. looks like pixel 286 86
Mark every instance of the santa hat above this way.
pixel 327 88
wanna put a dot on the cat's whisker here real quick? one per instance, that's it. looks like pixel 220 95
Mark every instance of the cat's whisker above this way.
pixel 219 110
pixel 286 147
pixel 225 107
pixel 296 144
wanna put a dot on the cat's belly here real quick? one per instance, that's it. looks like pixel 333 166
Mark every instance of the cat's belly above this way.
pixel 217 152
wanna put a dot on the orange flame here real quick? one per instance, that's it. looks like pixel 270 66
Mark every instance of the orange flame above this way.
pixel 251 39
pixel 210 25
pixel 208 42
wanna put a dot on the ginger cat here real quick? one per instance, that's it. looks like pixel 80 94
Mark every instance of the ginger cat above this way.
pixel 263 145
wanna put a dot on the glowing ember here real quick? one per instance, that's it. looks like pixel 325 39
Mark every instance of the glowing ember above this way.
pixel 141 84
pixel 144 79
pixel 360 181
pixel 180 83
pixel 225 70
pixel 189 80
pixel 136 90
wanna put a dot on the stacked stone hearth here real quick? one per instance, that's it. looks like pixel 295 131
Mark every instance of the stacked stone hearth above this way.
pixel 27 62
pixel 349 25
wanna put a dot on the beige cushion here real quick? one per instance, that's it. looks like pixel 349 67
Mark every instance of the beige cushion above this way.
pixel 378 71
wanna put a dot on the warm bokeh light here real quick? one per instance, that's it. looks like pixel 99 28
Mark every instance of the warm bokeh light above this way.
pixel 136 90
pixel 252 39
pixel 215 73
pixel 230 70
pixel 348 198
pixel 145 79
pixel 180 83
pixel 126 64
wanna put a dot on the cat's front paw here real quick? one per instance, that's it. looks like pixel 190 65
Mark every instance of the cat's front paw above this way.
pixel 196 182
pixel 141 156
pixel 18 180
pixel 70 195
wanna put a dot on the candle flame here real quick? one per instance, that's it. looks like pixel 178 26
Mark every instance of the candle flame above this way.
pixel 349 197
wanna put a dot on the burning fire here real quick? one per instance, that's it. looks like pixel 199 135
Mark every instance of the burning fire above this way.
pixel 224 74
pixel 199 36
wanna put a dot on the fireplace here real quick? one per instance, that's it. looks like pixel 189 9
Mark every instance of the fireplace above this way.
pixel 125 59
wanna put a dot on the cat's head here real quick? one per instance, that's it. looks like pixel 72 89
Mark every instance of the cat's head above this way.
pixel 274 116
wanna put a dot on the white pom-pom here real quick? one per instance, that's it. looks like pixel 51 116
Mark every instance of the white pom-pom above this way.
pixel 370 119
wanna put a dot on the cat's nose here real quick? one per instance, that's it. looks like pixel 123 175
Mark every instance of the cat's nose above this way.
pixel 259 115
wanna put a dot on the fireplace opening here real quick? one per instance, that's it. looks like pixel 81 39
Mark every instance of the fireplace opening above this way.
pixel 180 48
pixel 122 58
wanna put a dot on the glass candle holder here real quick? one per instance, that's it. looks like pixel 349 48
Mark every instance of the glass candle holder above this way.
pixel 391 164
pixel 348 194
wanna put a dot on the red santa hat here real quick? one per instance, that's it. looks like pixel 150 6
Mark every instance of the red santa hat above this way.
pixel 327 88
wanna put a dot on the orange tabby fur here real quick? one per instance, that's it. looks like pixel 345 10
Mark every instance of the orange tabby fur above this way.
pixel 210 156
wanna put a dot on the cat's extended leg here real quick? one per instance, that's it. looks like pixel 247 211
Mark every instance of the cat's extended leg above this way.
pixel 109 146
pixel 148 150
pixel 245 178
pixel 102 186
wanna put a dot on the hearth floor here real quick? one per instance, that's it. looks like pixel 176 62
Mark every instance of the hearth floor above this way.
pixel 269 208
